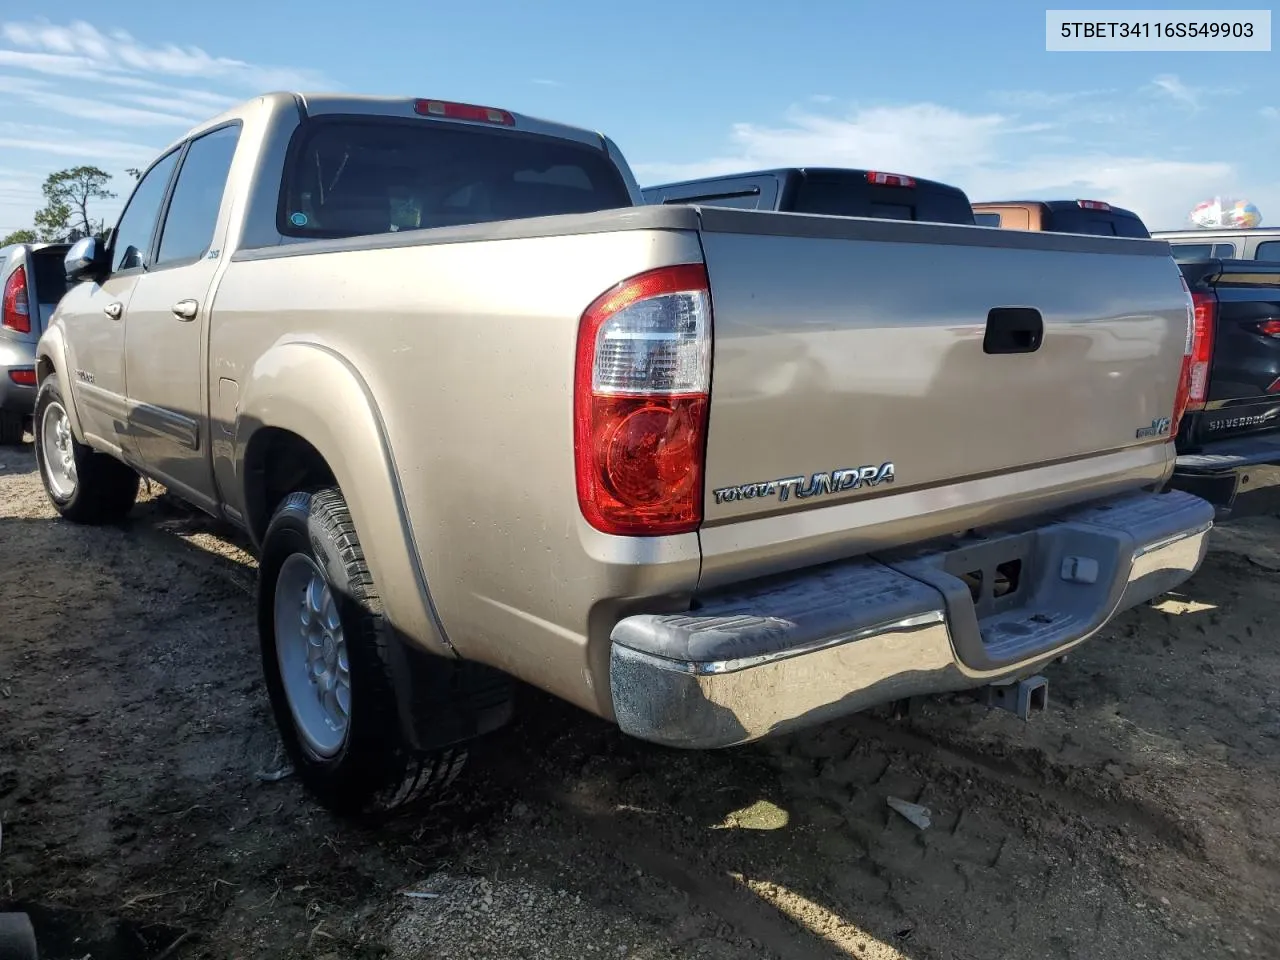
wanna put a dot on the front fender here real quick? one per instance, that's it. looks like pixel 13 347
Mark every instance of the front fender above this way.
pixel 314 392
pixel 51 357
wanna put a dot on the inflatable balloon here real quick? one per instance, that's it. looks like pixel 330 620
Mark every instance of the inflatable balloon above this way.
pixel 1223 212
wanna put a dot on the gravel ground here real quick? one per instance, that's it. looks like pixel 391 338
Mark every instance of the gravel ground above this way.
pixel 1135 818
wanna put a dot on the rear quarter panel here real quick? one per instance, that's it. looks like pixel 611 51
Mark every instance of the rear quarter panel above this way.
pixel 468 352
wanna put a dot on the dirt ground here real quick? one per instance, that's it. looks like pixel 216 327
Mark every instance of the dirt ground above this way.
pixel 1136 818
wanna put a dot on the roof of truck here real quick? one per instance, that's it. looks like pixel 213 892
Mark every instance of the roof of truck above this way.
pixel 1196 233
pixel 1054 205
pixel 312 104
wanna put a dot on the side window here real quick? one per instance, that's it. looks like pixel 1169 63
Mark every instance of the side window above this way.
pixel 987 219
pixel 1192 251
pixel 1224 251
pixel 1269 251
pixel 197 196
pixel 131 243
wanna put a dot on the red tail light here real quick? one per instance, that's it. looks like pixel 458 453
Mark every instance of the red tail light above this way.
pixel 1193 384
pixel 1092 205
pixel 462 111
pixel 1206 312
pixel 890 179
pixel 16 312
pixel 642 382
pixel 24 378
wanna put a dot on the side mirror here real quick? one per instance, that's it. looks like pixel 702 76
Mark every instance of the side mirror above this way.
pixel 86 260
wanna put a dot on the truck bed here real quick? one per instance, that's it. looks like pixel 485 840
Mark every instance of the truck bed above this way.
pixel 838 343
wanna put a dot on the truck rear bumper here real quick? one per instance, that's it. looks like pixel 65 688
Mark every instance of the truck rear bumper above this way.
pixel 795 650
pixel 1240 477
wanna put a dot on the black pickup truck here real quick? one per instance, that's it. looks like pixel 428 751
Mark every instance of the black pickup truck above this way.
pixel 1229 440
pixel 832 191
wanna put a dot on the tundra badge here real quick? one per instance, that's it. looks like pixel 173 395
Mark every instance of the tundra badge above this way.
pixel 1159 427
pixel 837 481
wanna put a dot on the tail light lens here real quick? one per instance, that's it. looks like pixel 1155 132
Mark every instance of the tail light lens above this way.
pixel 1205 314
pixel 642 383
pixel 1193 384
pixel 16 311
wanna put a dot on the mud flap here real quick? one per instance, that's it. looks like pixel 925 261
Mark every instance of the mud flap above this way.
pixel 444 702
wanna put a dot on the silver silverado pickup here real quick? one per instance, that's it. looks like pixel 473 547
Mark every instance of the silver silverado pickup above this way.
pixel 711 474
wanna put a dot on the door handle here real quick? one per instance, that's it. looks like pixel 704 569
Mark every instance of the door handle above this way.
pixel 1013 330
pixel 185 310
pixel 113 310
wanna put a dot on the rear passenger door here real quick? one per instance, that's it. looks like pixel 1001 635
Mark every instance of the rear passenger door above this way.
pixel 166 323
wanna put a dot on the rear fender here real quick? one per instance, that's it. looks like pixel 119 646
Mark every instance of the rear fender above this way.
pixel 314 392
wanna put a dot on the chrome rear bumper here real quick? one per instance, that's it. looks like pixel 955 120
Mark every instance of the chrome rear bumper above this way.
pixel 796 650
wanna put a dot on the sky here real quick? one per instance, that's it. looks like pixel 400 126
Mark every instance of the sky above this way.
pixel 961 93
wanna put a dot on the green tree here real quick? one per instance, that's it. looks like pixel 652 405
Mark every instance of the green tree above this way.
pixel 67 195
pixel 19 236
pixel 53 222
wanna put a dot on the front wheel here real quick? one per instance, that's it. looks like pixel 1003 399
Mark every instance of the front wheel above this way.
pixel 325 658
pixel 84 486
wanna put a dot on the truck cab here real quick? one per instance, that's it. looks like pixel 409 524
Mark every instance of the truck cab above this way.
pixel 832 191
pixel 1061 216
pixel 1226 244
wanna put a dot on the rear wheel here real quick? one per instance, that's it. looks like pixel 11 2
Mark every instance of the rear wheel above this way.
pixel 84 486
pixel 325 657
pixel 12 427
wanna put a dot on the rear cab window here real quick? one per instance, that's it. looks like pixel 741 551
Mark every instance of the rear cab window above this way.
pixel 1106 223
pixel 987 219
pixel 50 276
pixel 851 195
pixel 1268 250
pixel 352 176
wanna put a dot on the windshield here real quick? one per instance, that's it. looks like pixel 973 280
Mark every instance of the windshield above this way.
pixel 353 176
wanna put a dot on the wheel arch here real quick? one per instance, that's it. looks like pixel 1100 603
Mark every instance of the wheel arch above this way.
pixel 305 415
pixel 51 358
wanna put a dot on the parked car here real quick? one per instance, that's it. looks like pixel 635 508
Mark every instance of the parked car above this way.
pixel 1258 243
pixel 454 379
pixel 826 190
pixel 32 281
pixel 1061 216
pixel 1229 441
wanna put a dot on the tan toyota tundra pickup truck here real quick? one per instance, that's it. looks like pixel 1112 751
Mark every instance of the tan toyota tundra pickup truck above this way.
pixel 711 474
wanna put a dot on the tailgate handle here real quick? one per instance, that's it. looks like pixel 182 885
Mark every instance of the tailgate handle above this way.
pixel 1013 330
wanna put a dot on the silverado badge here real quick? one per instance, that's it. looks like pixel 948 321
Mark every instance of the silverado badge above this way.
pixel 819 484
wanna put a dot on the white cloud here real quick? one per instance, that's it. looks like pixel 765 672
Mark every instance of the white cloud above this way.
pixel 1177 90
pixel 548 83
pixel 119 102
pixel 118 52
pixel 991 156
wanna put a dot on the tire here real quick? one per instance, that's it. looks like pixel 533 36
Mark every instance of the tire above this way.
pixel 100 489
pixel 360 763
pixel 12 427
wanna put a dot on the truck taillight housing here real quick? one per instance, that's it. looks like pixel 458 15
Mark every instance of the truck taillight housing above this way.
pixel 16 310
pixel 642 383
pixel 1205 314
pixel 1193 384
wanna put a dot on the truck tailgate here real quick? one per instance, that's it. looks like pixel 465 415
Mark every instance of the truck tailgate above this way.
pixel 854 358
